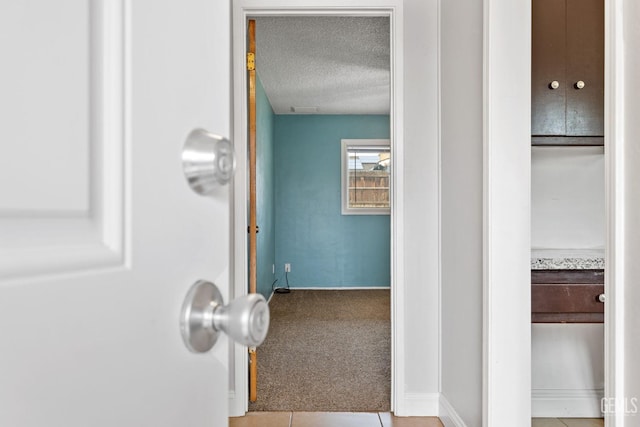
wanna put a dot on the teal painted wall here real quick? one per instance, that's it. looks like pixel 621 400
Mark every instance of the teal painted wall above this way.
pixel 266 248
pixel 324 247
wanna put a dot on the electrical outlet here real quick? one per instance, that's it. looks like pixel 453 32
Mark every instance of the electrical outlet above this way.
pixel 287 268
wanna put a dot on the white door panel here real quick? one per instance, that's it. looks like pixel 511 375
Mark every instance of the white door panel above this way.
pixel 45 61
pixel 63 136
pixel 100 236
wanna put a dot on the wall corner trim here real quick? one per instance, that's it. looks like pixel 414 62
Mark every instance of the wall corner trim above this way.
pixel 448 415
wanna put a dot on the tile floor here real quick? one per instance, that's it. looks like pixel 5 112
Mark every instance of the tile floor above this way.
pixel 567 422
pixel 372 419
pixel 330 419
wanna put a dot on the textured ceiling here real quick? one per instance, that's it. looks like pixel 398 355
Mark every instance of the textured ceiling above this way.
pixel 324 64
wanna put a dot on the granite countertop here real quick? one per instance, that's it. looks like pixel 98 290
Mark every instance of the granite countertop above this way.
pixel 567 263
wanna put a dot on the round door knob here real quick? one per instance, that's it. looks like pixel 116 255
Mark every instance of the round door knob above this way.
pixel 208 161
pixel 554 85
pixel 579 84
pixel 245 319
pixel 601 298
pixel 204 317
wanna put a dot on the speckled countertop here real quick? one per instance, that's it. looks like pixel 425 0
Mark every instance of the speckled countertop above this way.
pixel 567 263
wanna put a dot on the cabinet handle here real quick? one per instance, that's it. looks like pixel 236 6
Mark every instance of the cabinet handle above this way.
pixel 579 84
pixel 554 85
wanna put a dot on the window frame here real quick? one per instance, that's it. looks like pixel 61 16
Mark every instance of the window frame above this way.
pixel 346 144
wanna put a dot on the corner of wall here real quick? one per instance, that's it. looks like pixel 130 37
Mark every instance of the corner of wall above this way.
pixel 448 415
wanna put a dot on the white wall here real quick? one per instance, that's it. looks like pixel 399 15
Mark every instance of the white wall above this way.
pixel 568 218
pixel 567 370
pixel 421 353
pixel 461 194
pixel 567 200
pixel 628 162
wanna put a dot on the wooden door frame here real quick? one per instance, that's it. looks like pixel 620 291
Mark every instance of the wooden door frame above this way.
pixel 242 10
pixel 507 344
pixel 253 209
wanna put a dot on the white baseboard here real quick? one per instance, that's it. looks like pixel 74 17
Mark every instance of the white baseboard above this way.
pixel 337 288
pixel 566 403
pixel 417 405
pixel 270 296
pixel 317 288
pixel 448 415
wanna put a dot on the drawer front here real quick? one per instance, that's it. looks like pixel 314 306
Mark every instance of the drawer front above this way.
pixel 567 303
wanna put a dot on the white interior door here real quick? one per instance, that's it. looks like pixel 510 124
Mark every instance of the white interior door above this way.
pixel 100 236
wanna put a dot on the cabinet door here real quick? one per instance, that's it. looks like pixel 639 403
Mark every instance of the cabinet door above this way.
pixel 585 63
pixel 548 59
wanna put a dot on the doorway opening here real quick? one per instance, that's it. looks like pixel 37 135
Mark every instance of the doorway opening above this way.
pixel 368 123
pixel 506 42
pixel 323 208
pixel 568 210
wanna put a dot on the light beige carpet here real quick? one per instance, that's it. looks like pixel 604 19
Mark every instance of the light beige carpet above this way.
pixel 326 351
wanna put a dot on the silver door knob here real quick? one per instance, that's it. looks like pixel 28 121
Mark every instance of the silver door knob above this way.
pixel 554 85
pixel 601 298
pixel 208 161
pixel 579 84
pixel 204 317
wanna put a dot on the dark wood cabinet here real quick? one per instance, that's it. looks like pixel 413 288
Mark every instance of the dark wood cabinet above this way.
pixel 567 296
pixel 567 78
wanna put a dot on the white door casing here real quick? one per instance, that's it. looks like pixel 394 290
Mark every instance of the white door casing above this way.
pixel 242 10
pixel 100 236
pixel 507 213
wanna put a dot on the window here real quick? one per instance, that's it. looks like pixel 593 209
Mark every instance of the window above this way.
pixel 366 177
